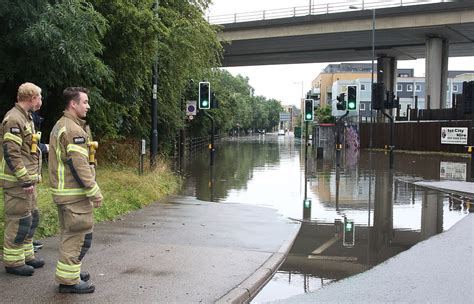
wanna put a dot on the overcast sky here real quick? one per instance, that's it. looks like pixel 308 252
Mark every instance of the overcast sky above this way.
pixel 283 82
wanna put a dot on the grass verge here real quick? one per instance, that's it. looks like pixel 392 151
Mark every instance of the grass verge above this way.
pixel 123 190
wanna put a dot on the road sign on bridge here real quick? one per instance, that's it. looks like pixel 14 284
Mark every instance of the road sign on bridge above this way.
pixel 284 116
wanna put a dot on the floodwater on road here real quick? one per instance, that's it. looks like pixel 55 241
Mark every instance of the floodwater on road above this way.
pixel 355 216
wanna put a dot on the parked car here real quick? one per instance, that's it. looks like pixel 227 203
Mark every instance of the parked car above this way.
pixel 281 132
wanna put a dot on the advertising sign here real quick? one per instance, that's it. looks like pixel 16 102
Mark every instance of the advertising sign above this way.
pixel 454 136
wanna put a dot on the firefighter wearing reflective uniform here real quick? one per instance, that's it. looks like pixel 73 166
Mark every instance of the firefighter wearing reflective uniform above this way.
pixel 74 190
pixel 19 173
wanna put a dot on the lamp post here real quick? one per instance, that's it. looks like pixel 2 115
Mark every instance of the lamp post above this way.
pixel 371 117
pixel 301 104
pixel 372 74
pixel 154 105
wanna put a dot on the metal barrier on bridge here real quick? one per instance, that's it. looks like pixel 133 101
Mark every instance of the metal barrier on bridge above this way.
pixel 315 9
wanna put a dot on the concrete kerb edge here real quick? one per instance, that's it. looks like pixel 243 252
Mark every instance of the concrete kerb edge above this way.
pixel 445 190
pixel 249 288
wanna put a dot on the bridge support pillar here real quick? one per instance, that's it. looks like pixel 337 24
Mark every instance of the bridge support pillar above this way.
pixel 436 71
pixel 431 214
pixel 387 74
pixel 382 230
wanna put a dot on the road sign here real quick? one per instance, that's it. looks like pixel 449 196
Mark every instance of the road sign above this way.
pixel 191 107
pixel 284 116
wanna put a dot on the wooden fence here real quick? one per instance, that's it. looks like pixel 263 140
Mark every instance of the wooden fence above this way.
pixel 412 135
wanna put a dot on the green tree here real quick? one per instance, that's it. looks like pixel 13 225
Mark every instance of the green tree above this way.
pixel 323 114
pixel 53 45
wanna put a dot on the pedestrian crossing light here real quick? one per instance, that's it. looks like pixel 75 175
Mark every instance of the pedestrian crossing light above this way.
pixel 308 110
pixel 351 98
pixel 204 95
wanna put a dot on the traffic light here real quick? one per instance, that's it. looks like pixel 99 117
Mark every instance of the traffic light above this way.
pixel 351 98
pixel 468 96
pixel 341 102
pixel 308 110
pixel 390 102
pixel 377 96
pixel 348 233
pixel 204 95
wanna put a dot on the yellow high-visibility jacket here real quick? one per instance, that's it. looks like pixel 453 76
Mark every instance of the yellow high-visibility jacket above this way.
pixel 19 166
pixel 72 177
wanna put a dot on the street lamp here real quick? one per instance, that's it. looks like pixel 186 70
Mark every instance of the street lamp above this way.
pixel 154 104
pixel 371 109
pixel 372 76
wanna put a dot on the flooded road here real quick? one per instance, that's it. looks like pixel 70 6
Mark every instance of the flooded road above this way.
pixel 356 216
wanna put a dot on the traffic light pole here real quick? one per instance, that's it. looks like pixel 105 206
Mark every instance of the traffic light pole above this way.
pixel 472 144
pixel 338 139
pixel 390 117
pixel 211 146
pixel 306 162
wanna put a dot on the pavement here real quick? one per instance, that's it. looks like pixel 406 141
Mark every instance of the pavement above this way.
pixel 176 251
pixel 437 270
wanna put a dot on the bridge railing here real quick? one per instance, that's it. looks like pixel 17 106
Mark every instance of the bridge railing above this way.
pixel 315 9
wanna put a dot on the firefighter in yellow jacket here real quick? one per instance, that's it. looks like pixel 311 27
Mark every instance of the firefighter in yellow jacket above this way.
pixel 19 173
pixel 75 191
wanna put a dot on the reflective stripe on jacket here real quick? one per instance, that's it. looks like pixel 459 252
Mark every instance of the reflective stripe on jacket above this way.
pixel 72 177
pixel 19 166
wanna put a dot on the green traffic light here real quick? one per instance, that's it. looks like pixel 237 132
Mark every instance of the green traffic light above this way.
pixel 308 116
pixel 307 203
pixel 204 103
pixel 351 105
pixel 349 226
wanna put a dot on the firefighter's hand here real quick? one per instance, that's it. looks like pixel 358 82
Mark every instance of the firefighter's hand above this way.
pixel 29 190
pixel 97 203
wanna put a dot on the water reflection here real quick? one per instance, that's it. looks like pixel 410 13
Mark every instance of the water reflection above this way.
pixel 389 212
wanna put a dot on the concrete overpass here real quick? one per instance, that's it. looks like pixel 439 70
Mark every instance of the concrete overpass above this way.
pixel 432 31
pixel 400 32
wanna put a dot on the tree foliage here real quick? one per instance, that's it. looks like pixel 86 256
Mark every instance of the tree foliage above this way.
pixel 110 47
pixel 54 45
pixel 324 115
pixel 238 107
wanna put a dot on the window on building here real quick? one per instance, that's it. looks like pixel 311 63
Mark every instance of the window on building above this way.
pixel 409 88
pixel 455 87
pixel 362 87
pixel 418 88
pixel 362 106
pixel 399 88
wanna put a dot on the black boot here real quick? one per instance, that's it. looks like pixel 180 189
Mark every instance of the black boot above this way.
pixel 81 287
pixel 23 270
pixel 85 276
pixel 36 263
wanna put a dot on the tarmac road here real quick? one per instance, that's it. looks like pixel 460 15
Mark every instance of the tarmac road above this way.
pixel 179 251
